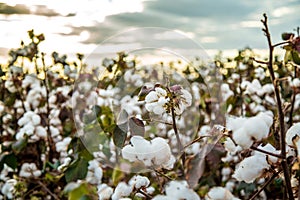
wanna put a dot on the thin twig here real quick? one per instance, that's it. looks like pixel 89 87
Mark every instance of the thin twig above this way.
pixel 266 152
pixel 279 108
pixel 48 191
pixel 162 174
pixel 264 185
pixel 260 61
pixel 281 43
pixel 148 196
pixel 159 121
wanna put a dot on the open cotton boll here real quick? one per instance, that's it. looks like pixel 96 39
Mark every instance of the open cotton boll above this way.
pixel 230 146
pixel 122 190
pixel 256 128
pixel 292 133
pixel 104 192
pixel 157 152
pixel 234 123
pixel 250 168
pixel 180 190
pixel 269 148
pixel 138 182
pixel 242 138
pixel 220 193
pixel 29 170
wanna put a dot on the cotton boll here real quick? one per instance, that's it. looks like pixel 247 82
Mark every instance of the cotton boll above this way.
pixel 8 189
pixel 122 190
pixel 267 117
pixel 41 132
pixel 95 173
pixel 54 131
pixel 234 123
pixel 138 182
pixel 128 153
pixel 36 119
pixel 269 148
pixel 29 170
pixel 157 152
pixel 292 133
pixel 63 145
pixel 104 192
pixel 250 169
pixel 230 146
pixel 256 128
pixel 162 197
pixel 180 190
pixel 220 193
pixel 242 138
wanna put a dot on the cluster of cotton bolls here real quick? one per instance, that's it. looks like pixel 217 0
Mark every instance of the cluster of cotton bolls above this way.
pixel 176 190
pixel 156 153
pixel 136 184
pixel 30 125
pixel 36 93
pixel 158 99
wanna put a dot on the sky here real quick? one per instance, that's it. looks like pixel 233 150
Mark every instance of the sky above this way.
pixel 108 26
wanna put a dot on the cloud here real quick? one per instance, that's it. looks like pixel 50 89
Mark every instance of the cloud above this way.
pixel 17 9
pixel 22 9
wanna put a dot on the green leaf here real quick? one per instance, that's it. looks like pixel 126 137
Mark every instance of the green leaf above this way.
pixel 287 56
pixel 136 126
pixel 287 36
pixel 8 159
pixel 296 57
pixel 117 176
pixel 119 136
pixel 77 192
pixel 77 170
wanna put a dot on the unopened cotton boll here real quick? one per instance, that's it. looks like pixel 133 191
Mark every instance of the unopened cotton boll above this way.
pixel 220 193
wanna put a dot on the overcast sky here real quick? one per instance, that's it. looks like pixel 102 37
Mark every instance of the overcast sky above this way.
pixel 72 26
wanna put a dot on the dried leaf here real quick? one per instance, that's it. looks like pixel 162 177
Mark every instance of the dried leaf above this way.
pixel 136 126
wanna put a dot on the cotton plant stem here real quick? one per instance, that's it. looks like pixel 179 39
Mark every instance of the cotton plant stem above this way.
pixel 49 141
pixel 293 99
pixel 180 147
pixel 279 109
